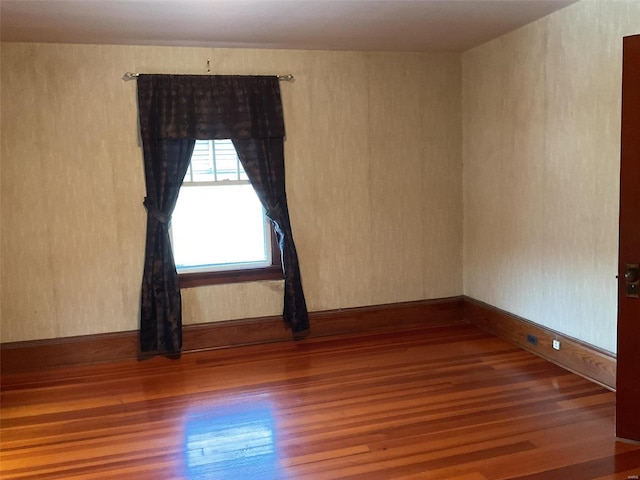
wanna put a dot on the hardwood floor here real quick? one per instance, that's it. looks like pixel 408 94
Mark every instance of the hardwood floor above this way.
pixel 447 402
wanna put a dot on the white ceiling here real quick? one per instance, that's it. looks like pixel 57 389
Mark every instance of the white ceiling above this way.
pixel 376 25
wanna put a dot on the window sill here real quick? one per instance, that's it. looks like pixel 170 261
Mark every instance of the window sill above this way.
pixel 190 280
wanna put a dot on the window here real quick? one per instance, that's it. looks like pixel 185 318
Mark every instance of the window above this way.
pixel 219 231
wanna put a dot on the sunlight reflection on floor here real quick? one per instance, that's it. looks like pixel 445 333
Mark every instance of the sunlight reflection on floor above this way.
pixel 231 442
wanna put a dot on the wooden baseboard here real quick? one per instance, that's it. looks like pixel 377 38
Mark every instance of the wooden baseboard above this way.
pixel 586 360
pixel 87 349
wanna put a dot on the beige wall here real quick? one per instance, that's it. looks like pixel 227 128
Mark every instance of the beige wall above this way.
pixel 374 171
pixel 374 182
pixel 541 169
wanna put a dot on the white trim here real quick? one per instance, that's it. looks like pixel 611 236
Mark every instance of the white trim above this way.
pixel 215 183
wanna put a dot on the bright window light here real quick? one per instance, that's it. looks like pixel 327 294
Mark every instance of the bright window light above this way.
pixel 218 223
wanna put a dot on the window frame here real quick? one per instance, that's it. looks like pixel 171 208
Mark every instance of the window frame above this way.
pixel 272 272
pixel 217 277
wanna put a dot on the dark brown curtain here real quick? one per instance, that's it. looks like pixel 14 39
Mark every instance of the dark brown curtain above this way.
pixel 174 111
pixel 165 164
pixel 263 160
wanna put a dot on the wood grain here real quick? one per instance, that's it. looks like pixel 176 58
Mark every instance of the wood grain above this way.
pixel 576 356
pixel 429 402
pixel 628 335
pixel 86 349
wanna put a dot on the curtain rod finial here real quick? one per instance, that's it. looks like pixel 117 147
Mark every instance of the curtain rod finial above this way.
pixel 130 76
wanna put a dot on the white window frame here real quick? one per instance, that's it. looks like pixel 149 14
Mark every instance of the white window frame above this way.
pixel 270 264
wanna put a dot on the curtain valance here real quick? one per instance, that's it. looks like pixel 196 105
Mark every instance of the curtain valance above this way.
pixel 210 107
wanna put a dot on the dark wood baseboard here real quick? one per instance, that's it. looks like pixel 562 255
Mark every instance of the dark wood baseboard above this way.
pixel 576 356
pixel 87 349
pixel 586 360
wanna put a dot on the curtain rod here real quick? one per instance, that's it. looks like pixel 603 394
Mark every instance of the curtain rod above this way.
pixel 285 78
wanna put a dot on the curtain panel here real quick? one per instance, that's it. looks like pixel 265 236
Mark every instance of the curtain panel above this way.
pixel 174 111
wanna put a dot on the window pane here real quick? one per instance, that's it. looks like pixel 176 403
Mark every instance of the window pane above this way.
pixel 202 164
pixel 227 163
pixel 214 225
pixel 215 160
pixel 227 168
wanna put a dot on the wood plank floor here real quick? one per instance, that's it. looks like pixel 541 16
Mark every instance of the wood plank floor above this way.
pixel 447 402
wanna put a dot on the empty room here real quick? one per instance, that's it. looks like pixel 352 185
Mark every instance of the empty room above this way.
pixel 320 239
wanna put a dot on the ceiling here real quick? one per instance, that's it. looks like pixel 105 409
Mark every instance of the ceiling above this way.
pixel 366 25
